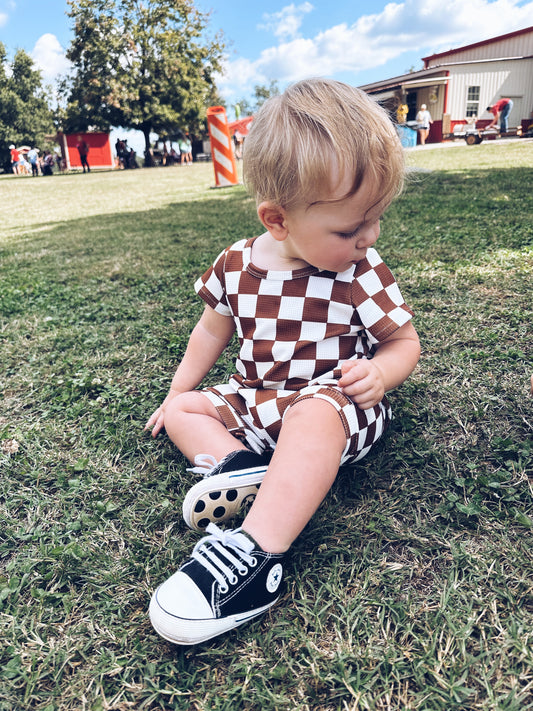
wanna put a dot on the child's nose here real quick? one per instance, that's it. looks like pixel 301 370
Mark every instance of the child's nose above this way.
pixel 368 236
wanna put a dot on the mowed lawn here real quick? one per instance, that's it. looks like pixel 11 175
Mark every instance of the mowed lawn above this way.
pixel 411 588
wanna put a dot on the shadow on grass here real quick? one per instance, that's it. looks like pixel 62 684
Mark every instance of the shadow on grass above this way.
pixel 419 554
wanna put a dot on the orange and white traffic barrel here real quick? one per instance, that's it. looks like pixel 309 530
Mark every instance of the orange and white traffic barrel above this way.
pixel 224 161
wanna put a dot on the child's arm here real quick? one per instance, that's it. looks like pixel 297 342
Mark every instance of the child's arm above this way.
pixel 367 381
pixel 208 339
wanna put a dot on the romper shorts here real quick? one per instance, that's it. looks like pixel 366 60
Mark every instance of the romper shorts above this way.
pixel 255 416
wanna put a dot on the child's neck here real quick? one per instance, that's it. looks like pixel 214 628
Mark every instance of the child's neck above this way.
pixel 268 254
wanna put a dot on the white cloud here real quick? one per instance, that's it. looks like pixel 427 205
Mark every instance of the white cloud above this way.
pixel 286 23
pixel 49 56
pixel 3 19
pixel 429 26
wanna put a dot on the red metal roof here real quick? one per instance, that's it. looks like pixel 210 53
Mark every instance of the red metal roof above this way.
pixel 476 44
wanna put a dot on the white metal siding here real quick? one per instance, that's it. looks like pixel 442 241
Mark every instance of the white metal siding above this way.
pixel 508 78
pixel 520 46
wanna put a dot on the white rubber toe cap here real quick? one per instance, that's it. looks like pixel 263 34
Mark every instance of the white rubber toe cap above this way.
pixel 179 596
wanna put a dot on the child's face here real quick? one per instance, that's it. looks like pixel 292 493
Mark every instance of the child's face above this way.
pixel 333 236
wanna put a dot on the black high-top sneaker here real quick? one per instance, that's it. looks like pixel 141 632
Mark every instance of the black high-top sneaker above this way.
pixel 226 582
pixel 227 485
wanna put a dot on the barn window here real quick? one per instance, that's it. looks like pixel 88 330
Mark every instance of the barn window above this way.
pixel 472 101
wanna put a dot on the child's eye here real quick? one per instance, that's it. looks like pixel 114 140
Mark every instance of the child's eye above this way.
pixel 354 233
pixel 348 235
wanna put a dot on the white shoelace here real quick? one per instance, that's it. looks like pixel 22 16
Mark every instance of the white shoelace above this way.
pixel 204 464
pixel 208 551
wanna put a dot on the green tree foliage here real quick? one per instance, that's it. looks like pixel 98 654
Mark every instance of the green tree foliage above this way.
pixel 25 113
pixel 249 106
pixel 140 64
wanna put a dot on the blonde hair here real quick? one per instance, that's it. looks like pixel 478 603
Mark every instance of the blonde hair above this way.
pixel 297 138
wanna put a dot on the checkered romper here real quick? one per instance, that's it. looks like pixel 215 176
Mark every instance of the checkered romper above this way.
pixel 295 330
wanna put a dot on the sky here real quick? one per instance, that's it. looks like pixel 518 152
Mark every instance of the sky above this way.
pixel 356 41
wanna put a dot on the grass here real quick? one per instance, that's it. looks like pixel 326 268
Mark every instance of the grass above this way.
pixel 411 588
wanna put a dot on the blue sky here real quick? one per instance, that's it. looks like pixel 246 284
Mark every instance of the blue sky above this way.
pixel 352 40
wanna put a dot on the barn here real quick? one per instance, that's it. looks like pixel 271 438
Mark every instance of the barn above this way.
pixel 458 85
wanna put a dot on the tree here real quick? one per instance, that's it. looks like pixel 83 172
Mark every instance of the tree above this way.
pixel 261 94
pixel 25 113
pixel 140 64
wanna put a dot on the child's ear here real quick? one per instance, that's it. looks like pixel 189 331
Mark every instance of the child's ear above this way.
pixel 273 218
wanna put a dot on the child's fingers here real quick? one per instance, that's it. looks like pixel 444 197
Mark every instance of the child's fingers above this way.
pixel 352 371
pixel 157 427
pixel 153 419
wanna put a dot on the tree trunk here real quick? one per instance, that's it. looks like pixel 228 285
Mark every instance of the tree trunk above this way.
pixel 148 157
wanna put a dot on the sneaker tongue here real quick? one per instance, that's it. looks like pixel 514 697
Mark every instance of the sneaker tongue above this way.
pixel 232 538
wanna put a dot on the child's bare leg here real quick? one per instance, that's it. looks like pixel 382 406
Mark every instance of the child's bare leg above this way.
pixel 192 422
pixel 228 581
pixel 303 468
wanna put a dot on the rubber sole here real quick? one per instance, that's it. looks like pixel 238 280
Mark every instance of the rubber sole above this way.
pixel 219 498
pixel 187 632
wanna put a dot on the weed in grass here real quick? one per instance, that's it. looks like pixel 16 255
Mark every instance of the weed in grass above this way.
pixel 409 589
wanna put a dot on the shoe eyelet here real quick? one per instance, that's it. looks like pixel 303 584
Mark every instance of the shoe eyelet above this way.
pixel 234 580
pixel 243 570
pixel 252 563
pixel 224 589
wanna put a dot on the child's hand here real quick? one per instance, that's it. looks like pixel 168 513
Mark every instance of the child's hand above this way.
pixel 362 381
pixel 157 419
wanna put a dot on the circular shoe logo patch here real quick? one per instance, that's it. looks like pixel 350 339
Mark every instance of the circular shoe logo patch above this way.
pixel 274 578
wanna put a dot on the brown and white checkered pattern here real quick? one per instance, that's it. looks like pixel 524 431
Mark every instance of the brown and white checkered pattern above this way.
pixel 295 329
pixel 256 416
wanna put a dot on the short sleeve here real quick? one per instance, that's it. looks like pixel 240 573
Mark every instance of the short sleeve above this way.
pixel 210 286
pixel 377 298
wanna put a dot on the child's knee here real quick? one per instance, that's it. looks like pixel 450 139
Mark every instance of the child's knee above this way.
pixel 311 414
pixel 191 403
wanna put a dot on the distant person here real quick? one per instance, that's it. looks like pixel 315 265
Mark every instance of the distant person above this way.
pixel 132 159
pixel 324 332
pixel 33 160
pixel 24 166
pixel 83 150
pixel 501 110
pixel 59 161
pixel 239 141
pixel 121 151
pixel 185 150
pixel 174 155
pixel 47 165
pixel 15 159
pixel 424 120
pixel 127 154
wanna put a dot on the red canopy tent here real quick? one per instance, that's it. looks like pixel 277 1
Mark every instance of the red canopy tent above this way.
pixel 241 125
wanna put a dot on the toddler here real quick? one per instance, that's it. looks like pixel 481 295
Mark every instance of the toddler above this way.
pixel 323 331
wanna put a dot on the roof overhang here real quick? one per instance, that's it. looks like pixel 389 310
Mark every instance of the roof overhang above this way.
pixel 419 83
pixel 386 94
pixel 406 81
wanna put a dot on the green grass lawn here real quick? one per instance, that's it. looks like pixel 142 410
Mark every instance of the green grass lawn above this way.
pixel 411 588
